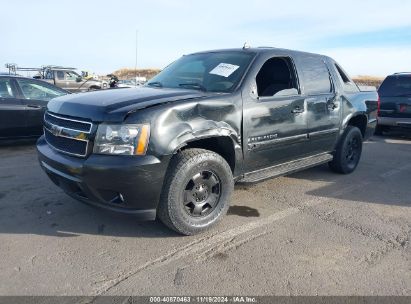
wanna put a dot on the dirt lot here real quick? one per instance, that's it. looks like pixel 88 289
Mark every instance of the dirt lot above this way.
pixel 311 233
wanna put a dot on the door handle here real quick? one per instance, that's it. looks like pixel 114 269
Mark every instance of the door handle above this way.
pixel 332 103
pixel 297 110
pixel 332 106
pixel 34 106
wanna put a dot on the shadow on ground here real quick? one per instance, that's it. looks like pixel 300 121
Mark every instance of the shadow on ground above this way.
pixel 382 177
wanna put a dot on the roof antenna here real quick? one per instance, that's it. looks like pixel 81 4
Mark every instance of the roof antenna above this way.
pixel 246 45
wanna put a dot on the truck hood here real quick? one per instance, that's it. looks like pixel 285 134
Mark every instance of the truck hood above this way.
pixel 114 105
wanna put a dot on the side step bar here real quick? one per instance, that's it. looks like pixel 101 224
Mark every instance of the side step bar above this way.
pixel 286 168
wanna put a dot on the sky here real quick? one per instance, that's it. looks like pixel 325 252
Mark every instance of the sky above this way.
pixel 365 37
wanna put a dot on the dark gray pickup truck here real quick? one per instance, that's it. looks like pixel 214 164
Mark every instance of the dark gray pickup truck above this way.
pixel 174 148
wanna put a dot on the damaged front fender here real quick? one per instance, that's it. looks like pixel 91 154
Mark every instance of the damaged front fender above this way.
pixel 177 124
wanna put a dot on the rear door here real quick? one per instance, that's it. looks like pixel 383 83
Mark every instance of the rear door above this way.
pixel 323 103
pixel 12 110
pixel 395 96
pixel 35 95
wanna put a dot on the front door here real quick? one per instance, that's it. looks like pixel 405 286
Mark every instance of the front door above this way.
pixel 275 125
pixel 73 85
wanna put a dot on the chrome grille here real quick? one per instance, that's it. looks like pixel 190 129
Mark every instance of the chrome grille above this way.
pixel 68 123
pixel 67 135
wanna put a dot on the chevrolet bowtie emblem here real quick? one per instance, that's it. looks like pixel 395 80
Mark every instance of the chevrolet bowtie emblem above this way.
pixel 56 130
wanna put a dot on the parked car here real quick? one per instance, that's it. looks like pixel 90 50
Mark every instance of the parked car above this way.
pixel 174 148
pixel 23 103
pixel 395 103
pixel 128 83
pixel 69 79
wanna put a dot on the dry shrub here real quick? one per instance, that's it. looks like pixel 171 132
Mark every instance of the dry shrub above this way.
pixel 127 73
pixel 368 80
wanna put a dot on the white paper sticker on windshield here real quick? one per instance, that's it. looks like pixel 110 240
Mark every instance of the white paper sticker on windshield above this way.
pixel 224 69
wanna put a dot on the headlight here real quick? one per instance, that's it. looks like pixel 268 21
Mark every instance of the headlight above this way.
pixel 122 139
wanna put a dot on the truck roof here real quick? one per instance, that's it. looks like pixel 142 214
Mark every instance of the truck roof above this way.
pixel 263 49
pixel 401 73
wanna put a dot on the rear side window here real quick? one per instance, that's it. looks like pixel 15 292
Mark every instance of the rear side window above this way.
pixel 5 88
pixel 316 76
pixel 348 84
pixel 397 85
pixel 60 75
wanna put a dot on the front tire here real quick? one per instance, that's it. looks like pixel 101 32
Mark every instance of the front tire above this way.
pixel 348 152
pixel 196 193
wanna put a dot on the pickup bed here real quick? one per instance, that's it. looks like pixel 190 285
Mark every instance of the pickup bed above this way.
pixel 174 148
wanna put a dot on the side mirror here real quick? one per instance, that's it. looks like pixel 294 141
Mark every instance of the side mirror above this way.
pixel 79 79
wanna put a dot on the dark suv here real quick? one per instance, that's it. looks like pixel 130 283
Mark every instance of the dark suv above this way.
pixel 395 102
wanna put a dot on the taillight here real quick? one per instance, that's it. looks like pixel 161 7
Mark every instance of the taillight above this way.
pixel 378 106
pixel 403 108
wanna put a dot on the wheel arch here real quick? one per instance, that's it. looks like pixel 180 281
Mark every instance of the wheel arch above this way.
pixel 94 87
pixel 225 146
pixel 359 120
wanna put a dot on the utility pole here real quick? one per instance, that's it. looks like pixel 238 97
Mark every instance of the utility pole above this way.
pixel 135 67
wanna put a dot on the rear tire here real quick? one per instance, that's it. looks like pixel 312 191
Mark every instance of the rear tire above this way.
pixel 348 152
pixel 196 193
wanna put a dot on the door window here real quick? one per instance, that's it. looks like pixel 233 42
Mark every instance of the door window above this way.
pixel 71 76
pixel 277 78
pixel 38 91
pixel 317 79
pixel 5 88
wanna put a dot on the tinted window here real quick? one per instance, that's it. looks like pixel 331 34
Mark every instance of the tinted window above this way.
pixel 38 91
pixel 216 72
pixel 5 88
pixel 399 85
pixel 316 76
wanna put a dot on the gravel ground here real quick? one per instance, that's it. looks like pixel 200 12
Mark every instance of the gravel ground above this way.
pixel 310 233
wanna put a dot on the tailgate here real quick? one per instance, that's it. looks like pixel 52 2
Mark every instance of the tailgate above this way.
pixel 395 107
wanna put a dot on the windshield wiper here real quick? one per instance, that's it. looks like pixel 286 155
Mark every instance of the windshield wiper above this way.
pixel 193 85
pixel 155 84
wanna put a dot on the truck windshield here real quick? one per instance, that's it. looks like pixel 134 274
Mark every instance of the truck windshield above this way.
pixel 396 86
pixel 211 72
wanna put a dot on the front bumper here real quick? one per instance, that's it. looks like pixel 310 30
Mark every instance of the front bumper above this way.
pixel 394 122
pixel 127 184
